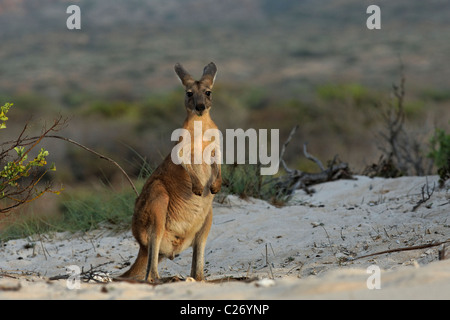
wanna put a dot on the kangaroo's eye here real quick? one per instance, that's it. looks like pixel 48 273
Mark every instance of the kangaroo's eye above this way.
pixel 189 94
pixel 208 93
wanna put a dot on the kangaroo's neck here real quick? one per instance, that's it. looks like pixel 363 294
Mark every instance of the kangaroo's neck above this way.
pixel 197 125
pixel 193 120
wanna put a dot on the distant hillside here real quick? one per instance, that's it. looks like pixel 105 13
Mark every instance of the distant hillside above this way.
pixel 281 63
pixel 131 45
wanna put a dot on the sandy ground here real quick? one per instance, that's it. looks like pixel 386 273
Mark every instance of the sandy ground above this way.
pixel 307 249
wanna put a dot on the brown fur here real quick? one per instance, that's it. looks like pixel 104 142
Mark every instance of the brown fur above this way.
pixel 174 209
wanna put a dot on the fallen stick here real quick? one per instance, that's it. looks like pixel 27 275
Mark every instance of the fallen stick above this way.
pixel 297 179
pixel 442 254
pixel 424 246
pixel 92 274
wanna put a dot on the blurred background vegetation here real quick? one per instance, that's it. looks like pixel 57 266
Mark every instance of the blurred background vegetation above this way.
pixel 281 63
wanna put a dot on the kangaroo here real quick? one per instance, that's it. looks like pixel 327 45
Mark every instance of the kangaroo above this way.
pixel 174 209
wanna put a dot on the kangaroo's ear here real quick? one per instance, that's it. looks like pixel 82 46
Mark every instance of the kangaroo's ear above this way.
pixel 209 73
pixel 184 76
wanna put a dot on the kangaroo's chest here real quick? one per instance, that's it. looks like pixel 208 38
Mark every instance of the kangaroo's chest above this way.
pixel 204 173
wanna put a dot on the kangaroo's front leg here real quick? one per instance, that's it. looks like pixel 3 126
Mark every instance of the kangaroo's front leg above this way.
pixel 197 186
pixel 216 184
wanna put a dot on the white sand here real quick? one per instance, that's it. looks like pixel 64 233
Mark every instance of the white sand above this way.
pixel 307 247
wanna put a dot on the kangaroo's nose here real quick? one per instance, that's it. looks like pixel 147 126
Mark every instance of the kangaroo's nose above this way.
pixel 200 107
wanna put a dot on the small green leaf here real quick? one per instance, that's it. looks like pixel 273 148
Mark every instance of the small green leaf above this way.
pixel 19 151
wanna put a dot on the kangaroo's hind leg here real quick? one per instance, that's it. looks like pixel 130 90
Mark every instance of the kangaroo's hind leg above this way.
pixel 137 269
pixel 198 257
pixel 156 208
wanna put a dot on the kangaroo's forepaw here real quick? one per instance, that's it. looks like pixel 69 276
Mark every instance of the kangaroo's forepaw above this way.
pixel 197 190
pixel 215 189
pixel 216 186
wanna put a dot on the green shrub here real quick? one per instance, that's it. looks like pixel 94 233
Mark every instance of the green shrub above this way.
pixel 112 109
pixel 20 174
pixel 245 180
pixel 352 92
pixel 436 95
pixel 89 212
pixel 25 227
pixel 440 153
pixel 440 148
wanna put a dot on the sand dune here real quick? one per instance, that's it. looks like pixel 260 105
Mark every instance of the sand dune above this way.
pixel 307 249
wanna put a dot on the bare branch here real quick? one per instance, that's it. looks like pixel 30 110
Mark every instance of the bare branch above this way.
pixel 425 246
pixel 283 149
pixel 314 159
pixel 402 149
pixel 425 197
pixel 101 156
pixel 20 188
pixel 296 179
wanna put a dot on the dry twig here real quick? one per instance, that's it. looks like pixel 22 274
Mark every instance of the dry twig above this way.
pixel 425 196
pixel 94 274
pixel 442 254
pixel 424 246
pixel 101 156
pixel 26 141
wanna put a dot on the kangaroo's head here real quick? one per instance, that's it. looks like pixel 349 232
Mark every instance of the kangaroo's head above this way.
pixel 198 98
